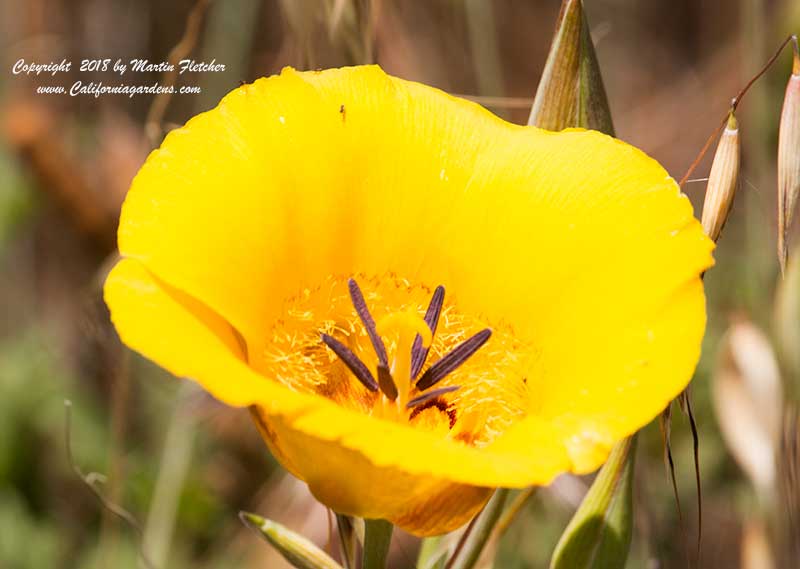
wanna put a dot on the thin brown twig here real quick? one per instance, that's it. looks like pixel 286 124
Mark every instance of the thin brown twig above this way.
pixel 665 424
pixel 120 392
pixel 155 115
pixel 92 478
pixel 346 540
pixel 734 105
pixel 703 151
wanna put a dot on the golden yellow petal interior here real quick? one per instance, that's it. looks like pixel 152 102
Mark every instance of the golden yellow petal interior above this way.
pixel 493 391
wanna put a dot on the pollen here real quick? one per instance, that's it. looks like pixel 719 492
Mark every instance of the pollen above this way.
pixel 424 363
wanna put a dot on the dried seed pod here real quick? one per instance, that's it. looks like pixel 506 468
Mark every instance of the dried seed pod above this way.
pixel 747 397
pixel 789 158
pixel 756 549
pixel 722 180
pixel 786 315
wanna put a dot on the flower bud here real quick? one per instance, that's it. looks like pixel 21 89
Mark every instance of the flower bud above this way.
pixel 296 549
pixel 722 180
pixel 789 158
pixel 599 534
pixel 571 91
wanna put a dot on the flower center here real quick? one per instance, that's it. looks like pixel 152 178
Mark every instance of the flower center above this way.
pixel 399 352
pixel 411 349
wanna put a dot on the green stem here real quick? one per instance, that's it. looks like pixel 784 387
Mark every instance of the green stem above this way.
pixel 347 540
pixel 510 514
pixel 176 460
pixel 377 538
pixel 471 549
pixel 431 553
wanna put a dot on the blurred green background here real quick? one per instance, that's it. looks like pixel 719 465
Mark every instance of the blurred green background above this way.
pixel 182 464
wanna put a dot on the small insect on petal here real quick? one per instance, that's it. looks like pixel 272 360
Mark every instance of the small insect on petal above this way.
pixel 789 158
pixel 722 181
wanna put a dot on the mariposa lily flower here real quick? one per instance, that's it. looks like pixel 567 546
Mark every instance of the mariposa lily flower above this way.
pixel 418 301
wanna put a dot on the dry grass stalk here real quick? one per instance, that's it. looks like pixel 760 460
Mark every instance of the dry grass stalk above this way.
pixel 789 158
pixel 155 115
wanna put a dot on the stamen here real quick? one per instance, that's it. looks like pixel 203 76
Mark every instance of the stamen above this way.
pixel 452 360
pixel 425 397
pixel 419 353
pixel 359 369
pixel 386 382
pixel 369 323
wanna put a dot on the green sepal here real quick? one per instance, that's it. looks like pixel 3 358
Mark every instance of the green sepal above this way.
pixel 599 534
pixel 377 539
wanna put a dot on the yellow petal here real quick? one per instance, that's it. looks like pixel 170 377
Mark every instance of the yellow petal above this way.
pixel 579 243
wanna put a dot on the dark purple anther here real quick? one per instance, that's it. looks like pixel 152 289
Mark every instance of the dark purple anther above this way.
pixel 418 352
pixel 452 360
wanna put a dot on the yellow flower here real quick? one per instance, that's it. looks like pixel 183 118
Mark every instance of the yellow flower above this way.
pixel 285 250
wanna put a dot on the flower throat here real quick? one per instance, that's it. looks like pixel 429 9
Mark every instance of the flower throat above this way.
pixel 400 351
pixel 414 339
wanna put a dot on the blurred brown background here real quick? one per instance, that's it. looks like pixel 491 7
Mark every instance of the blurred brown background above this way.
pixel 182 464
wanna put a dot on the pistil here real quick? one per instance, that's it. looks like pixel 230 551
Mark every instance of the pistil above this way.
pixel 407 326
